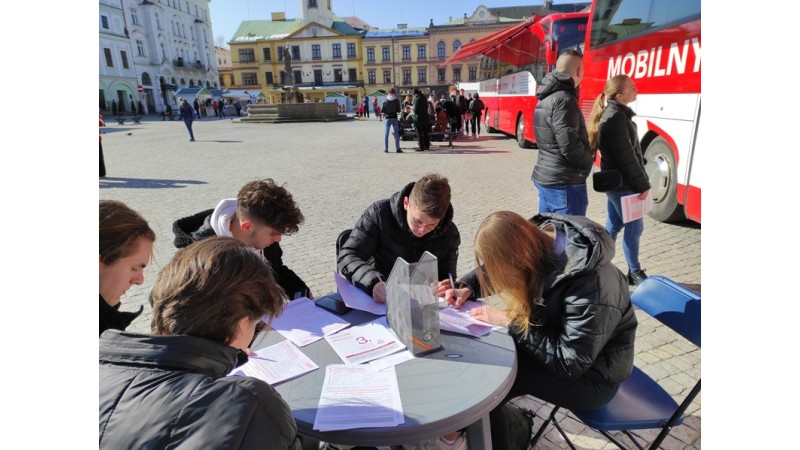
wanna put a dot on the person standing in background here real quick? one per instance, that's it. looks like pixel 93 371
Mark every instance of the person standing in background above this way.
pixel 188 117
pixel 564 159
pixel 391 108
pixel 612 131
pixel 102 162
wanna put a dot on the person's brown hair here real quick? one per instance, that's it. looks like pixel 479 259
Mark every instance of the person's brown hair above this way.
pixel 209 286
pixel 614 86
pixel 270 204
pixel 431 194
pixel 515 257
pixel 120 226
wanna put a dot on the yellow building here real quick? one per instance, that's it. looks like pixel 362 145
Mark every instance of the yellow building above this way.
pixel 324 56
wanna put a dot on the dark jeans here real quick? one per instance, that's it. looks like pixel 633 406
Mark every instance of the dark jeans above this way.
pixel 423 136
pixel 476 124
pixel 188 123
pixel 534 379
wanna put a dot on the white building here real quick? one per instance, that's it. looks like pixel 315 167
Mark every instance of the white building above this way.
pixel 172 47
pixel 118 78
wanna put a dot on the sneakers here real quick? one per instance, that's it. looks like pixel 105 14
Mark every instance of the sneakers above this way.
pixel 634 278
pixel 385 151
pixel 399 151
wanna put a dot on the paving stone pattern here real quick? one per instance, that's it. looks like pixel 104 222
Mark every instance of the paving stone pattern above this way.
pixel 334 171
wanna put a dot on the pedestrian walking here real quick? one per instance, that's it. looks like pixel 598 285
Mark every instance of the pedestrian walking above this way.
pixel 196 107
pixel 188 118
pixel 366 106
pixel 391 108
pixel 613 132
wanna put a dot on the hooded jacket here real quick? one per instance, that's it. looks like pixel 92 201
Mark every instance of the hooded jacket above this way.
pixel 199 226
pixel 587 322
pixel 561 135
pixel 172 392
pixel 382 235
pixel 620 147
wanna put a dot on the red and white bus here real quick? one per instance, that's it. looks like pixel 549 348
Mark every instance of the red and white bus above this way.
pixel 658 45
pixel 513 64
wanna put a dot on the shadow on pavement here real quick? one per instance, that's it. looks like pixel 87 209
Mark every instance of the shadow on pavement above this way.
pixel 140 183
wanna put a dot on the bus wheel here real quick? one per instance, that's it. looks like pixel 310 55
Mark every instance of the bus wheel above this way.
pixel 521 141
pixel 661 170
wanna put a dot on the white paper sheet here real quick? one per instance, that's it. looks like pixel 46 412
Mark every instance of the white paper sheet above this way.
pixel 364 343
pixel 276 363
pixel 358 397
pixel 633 208
pixel 356 298
pixel 303 323
pixel 458 320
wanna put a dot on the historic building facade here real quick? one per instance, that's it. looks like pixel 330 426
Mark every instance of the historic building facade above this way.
pixel 118 81
pixel 169 47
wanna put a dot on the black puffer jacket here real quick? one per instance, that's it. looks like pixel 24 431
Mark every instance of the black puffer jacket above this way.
pixel 561 135
pixel 161 392
pixel 382 235
pixel 620 147
pixel 198 226
pixel 588 323
pixel 112 317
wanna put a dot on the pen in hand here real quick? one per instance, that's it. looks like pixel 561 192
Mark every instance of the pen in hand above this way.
pixel 453 283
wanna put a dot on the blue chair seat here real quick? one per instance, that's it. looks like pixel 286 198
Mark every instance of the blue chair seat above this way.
pixel 640 403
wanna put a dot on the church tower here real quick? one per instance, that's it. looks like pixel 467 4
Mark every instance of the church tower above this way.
pixel 319 11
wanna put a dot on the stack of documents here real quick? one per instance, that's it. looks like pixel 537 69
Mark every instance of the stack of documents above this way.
pixel 358 397
pixel 364 343
pixel 458 320
pixel 303 323
pixel 356 298
pixel 276 363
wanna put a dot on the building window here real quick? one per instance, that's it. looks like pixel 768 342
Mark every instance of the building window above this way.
pixel 406 76
pixel 456 74
pixel 440 49
pixel 421 54
pixel 312 3
pixel 296 52
pixel 456 45
pixel 371 77
pixel 104 22
pixel 109 59
pixel 250 79
pixel 370 54
pixel 267 54
pixel 146 79
pixel 283 77
pixel 268 77
pixel 316 52
pixel 280 56
pixel 124 56
pixel 385 54
pixel 134 17
pixel 158 22
pixel 422 75
pixel 406 52
pixel 246 55
pixel 337 51
pixel 473 73
pixel 337 75
pixel 387 76
pixel 440 76
pixel 351 74
pixel 221 80
pixel 298 76
pixel 318 77
pixel 351 50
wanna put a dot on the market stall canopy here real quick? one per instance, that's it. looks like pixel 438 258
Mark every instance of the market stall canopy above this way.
pixel 192 93
pixel 335 95
pixel 257 95
pixel 240 94
pixel 216 93
pixel 508 45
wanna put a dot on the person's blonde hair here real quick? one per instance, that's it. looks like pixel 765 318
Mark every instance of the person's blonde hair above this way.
pixel 614 86
pixel 514 257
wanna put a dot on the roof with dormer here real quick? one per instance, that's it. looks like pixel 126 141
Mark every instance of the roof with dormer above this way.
pixel 260 30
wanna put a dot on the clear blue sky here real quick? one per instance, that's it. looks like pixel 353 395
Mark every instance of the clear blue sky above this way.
pixel 227 15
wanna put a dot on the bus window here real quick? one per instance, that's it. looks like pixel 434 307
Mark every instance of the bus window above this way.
pixel 618 19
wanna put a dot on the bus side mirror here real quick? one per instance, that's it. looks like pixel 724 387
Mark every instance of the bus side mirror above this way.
pixel 551 50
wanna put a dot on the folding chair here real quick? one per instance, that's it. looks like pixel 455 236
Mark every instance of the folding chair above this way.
pixel 641 403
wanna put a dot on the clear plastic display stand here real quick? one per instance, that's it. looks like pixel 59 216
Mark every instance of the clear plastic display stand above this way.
pixel 412 307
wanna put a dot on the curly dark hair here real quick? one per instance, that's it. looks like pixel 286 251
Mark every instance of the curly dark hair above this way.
pixel 269 204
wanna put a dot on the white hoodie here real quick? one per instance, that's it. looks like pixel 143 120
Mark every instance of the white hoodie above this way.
pixel 222 215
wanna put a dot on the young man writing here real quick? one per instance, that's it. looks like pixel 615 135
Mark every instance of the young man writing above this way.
pixel 417 219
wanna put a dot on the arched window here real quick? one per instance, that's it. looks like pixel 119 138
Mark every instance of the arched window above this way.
pixel 183 82
pixel 191 83
pixel 440 49
pixel 146 79
pixel 173 80
pixel 456 45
